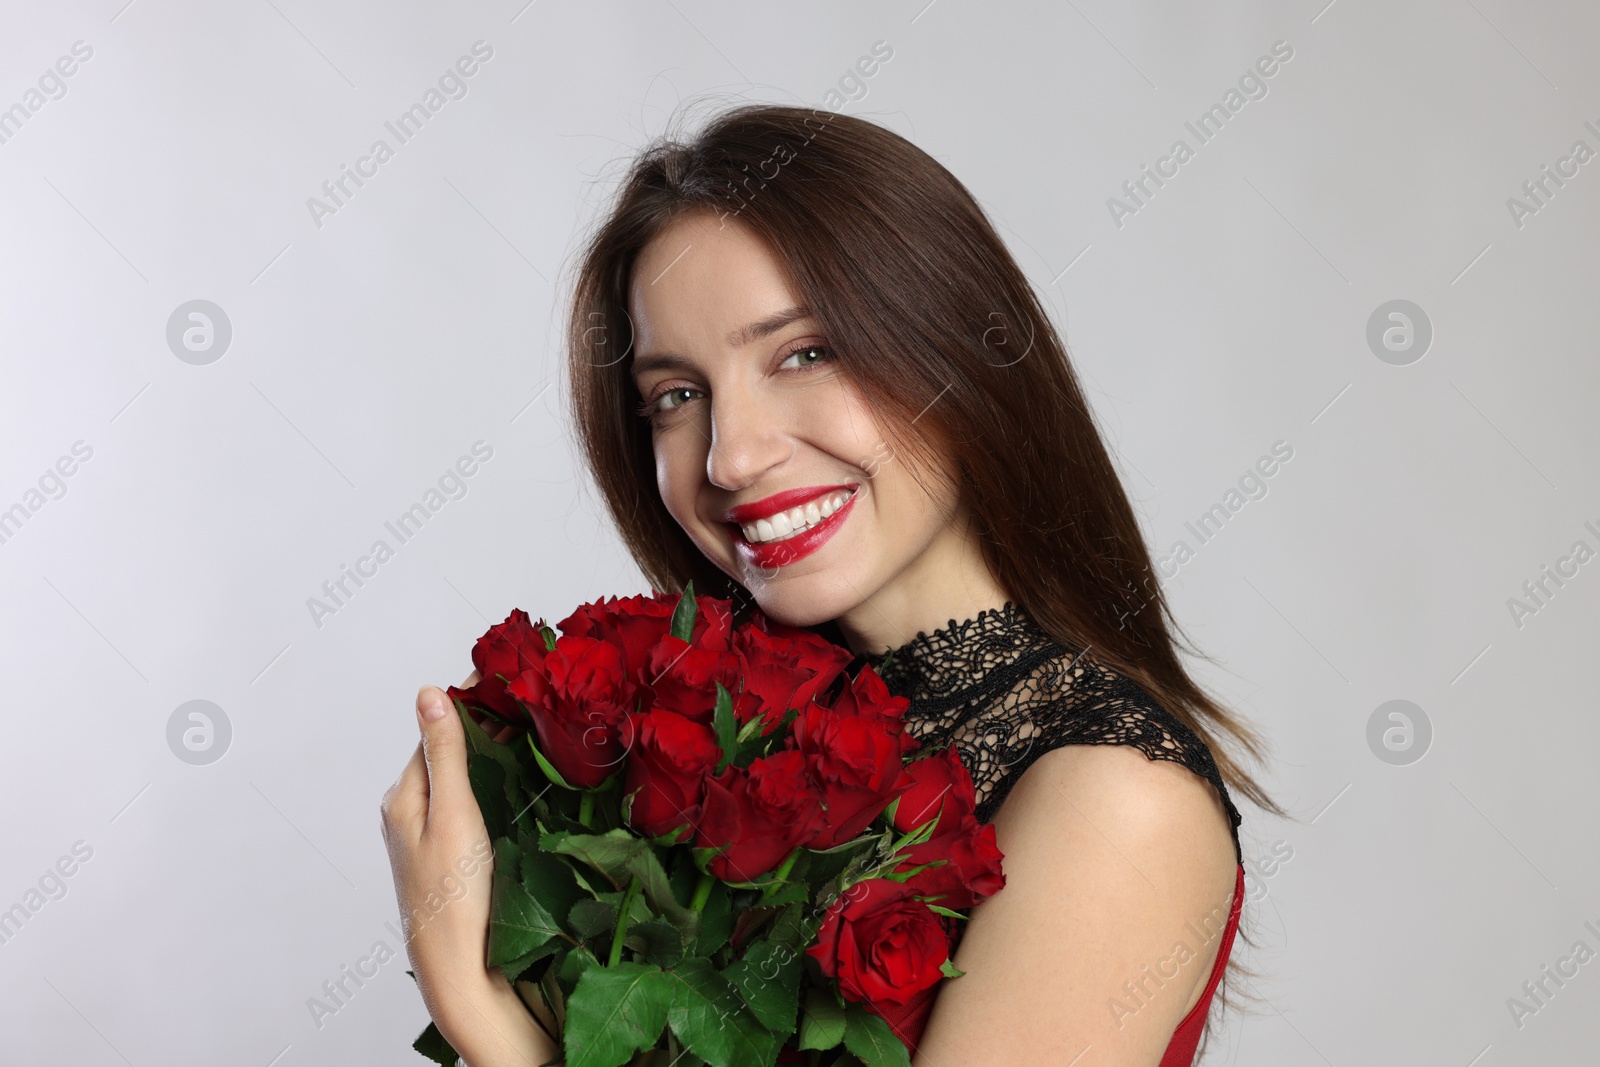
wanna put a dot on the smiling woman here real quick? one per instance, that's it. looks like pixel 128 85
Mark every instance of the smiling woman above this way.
pixel 842 402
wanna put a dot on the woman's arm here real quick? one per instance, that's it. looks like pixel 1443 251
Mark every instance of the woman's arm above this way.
pixel 443 877
pixel 1112 861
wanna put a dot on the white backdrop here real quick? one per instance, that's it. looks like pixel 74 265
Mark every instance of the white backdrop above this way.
pixel 1438 861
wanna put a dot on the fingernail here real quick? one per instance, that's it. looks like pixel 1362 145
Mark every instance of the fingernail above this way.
pixel 432 705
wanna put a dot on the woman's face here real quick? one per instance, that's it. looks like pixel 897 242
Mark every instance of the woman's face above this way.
pixel 759 435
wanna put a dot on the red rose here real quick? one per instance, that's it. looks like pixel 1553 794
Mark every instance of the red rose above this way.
pixel 868 695
pixel 882 944
pixel 634 624
pixel 855 761
pixel 971 873
pixel 503 652
pixel 669 759
pixel 784 667
pixel 684 676
pixel 940 786
pixel 577 703
pixel 757 815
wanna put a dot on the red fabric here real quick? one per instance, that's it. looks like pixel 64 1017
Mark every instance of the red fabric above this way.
pixel 1186 1038
pixel 910 1019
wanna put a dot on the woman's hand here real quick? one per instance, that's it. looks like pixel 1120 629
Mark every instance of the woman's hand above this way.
pixel 443 874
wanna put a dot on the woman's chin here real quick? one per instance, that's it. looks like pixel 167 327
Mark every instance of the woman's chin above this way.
pixel 804 600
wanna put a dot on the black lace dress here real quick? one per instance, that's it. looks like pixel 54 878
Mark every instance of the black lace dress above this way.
pixel 1005 693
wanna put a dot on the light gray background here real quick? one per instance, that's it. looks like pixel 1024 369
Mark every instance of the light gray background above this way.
pixel 368 354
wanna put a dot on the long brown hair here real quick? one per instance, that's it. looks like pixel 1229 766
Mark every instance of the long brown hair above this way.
pixel 940 331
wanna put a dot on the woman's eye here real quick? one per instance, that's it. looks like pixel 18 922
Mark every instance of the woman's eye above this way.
pixel 807 350
pixel 661 403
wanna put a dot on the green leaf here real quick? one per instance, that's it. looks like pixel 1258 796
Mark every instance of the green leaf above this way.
pixel 431 1043
pixel 554 996
pixel 550 879
pixel 683 615
pixel 768 978
pixel 950 970
pixel 869 1037
pixel 620 856
pixel 519 925
pixel 750 729
pixel 549 636
pixel 591 918
pixel 614 1012
pixel 512 790
pixel 716 920
pixel 915 836
pixel 545 765
pixel 657 940
pixel 575 965
pixel 941 910
pixel 792 893
pixel 790 928
pixel 712 1021
pixel 822 1025
pixel 488 781
pixel 726 728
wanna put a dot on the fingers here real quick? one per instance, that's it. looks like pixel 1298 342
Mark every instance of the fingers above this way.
pixel 405 805
pixel 444 754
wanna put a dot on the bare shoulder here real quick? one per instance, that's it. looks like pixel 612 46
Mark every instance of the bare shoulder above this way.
pixel 1152 803
pixel 1112 860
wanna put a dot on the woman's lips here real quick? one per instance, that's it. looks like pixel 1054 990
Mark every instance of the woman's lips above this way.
pixel 768 555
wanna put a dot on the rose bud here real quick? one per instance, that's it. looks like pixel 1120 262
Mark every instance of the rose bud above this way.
pixel 506 650
pixel 684 677
pixel 855 762
pixel 783 667
pixel 882 944
pixel 940 786
pixel 972 869
pixel 669 759
pixel 578 712
pixel 757 815
pixel 634 624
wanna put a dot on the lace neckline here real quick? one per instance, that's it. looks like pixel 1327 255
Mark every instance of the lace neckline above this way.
pixel 965 660
pixel 1005 692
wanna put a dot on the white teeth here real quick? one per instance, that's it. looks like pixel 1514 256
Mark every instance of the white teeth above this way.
pixel 795 520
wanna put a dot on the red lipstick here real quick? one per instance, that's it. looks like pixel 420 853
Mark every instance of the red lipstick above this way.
pixel 767 507
pixel 770 555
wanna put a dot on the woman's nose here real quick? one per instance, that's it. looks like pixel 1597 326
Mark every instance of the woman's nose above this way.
pixel 748 439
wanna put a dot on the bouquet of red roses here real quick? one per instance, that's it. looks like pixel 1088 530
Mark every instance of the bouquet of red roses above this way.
pixel 710 840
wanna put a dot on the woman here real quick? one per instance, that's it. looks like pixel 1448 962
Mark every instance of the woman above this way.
pixel 807 374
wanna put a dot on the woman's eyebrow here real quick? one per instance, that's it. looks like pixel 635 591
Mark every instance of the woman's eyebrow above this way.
pixel 767 326
pixel 754 331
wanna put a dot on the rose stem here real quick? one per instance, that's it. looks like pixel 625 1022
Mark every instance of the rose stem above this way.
pixel 622 921
pixel 783 872
pixel 702 891
pixel 586 809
